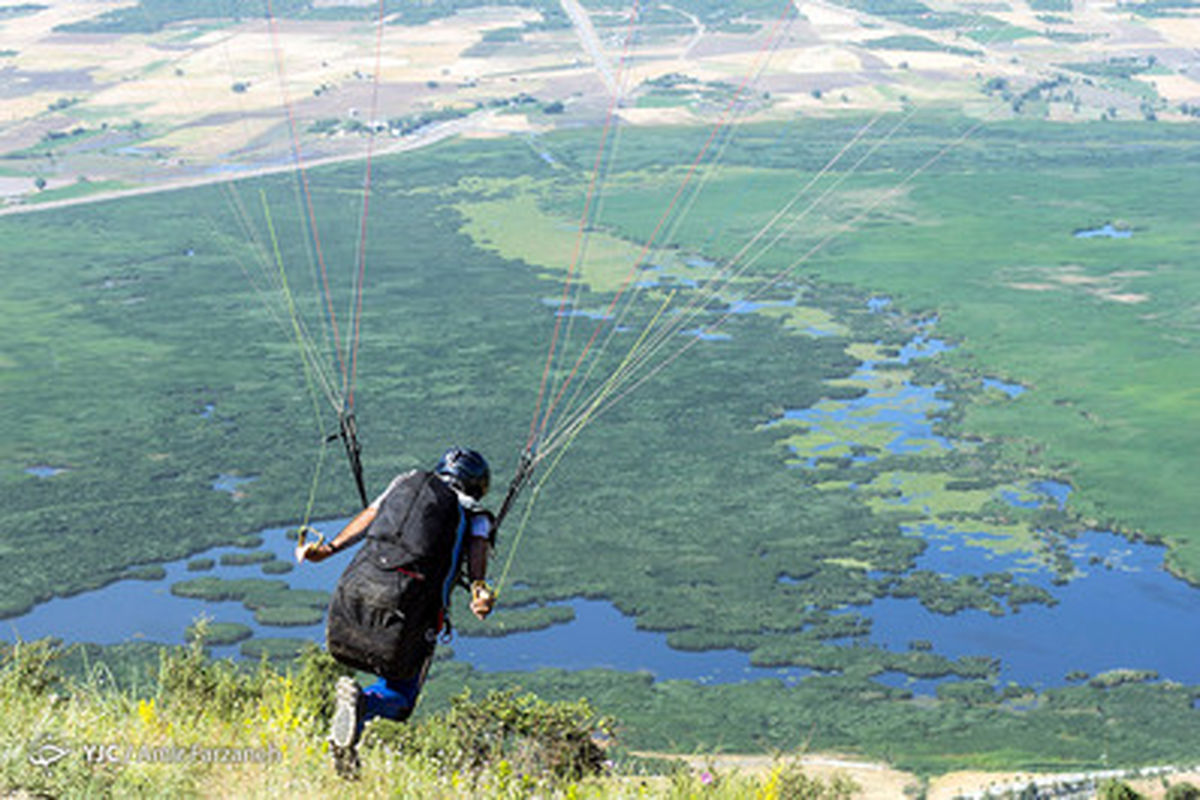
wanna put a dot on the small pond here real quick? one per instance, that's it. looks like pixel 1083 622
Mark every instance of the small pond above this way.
pixel 231 484
pixel 1106 231
pixel 44 470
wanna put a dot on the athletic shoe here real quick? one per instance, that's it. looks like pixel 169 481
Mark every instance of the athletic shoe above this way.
pixel 344 730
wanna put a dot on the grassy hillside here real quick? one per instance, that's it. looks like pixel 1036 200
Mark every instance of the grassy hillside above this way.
pixel 142 722
pixel 198 728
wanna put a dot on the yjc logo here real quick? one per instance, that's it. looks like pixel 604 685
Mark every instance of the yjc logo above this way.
pixel 44 752
pixel 105 754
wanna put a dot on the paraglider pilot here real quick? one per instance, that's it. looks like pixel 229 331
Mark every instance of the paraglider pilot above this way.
pixel 390 604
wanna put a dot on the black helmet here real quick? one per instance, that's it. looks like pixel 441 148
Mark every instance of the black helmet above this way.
pixel 466 469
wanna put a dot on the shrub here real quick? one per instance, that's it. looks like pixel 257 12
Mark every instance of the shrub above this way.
pixel 518 734
pixel 317 673
pixel 1117 790
pixel 30 667
pixel 192 684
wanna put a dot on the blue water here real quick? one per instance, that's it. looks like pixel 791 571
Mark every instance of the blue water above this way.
pixel 535 144
pixel 706 335
pixel 1014 499
pixel 567 311
pixel 1107 231
pixel 579 312
pixel 1124 612
pixel 751 306
pixel 601 636
pixel 131 610
pixel 232 483
pixel 1056 491
pixel 1102 614
pixel 44 470
pixel 905 410
pixel 878 304
pixel 920 346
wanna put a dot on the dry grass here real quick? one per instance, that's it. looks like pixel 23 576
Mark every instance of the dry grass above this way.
pixel 1112 287
pixel 875 781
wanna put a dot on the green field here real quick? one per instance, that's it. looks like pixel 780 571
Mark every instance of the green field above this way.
pixel 1104 330
pixel 138 357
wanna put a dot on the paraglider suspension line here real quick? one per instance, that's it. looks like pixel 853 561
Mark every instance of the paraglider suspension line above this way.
pixel 522 476
pixel 348 433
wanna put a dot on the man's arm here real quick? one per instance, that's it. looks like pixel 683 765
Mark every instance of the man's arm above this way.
pixel 482 597
pixel 350 534
pixel 477 559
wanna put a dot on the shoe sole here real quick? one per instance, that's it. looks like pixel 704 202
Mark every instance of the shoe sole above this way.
pixel 343 731
pixel 345 762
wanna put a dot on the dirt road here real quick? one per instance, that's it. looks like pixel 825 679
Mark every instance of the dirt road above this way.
pixel 591 43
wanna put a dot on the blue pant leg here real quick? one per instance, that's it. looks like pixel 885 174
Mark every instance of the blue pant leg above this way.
pixel 390 699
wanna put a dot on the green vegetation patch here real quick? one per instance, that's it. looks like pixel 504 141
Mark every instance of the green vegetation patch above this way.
pixel 678 89
pixel 152 572
pixel 218 634
pixel 81 188
pixel 150 16
pixel 277 567
pixel 20 10
pixel 217 589
pixel 808 320
pixel 516 227
pixel 513 620
pixel 917 44
pixel 269 599
pixel 960 264
pixel 274 648
pixel 980 27
pixel 288 616
pixel 1115 67
pixel 964 729
pixel 1162 8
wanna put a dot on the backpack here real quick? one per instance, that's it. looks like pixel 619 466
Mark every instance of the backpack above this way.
pixel 389 604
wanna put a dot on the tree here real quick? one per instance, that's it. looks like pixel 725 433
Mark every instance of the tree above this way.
pixel 1117 790
pixel 1182 791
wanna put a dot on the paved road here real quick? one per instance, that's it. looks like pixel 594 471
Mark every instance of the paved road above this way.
pixel 423 138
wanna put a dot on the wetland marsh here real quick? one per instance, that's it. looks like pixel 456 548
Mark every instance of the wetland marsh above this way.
pixel 843 507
